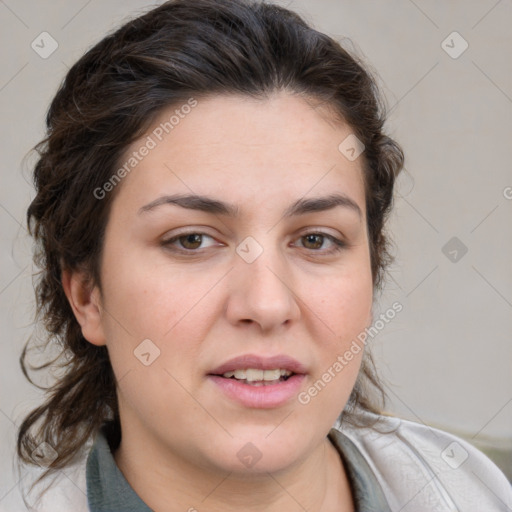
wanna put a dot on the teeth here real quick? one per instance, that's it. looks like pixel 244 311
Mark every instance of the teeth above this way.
pixel 240 374
pixel 252 374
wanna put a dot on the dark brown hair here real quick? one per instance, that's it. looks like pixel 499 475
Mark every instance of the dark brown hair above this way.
pixel 108 99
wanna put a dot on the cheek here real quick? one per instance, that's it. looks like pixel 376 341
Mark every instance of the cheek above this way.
pixel 344 304
pixel 152 328
pixel 146 300
pixel 345 308
pixel 156 310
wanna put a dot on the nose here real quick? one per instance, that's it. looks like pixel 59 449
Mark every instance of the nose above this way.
pixel 262 292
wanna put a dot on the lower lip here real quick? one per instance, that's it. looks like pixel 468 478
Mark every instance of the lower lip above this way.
pixel 260 397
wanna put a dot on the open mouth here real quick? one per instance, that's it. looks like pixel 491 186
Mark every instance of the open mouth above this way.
pixel 258 388
pixel 260 382
pixel 257 377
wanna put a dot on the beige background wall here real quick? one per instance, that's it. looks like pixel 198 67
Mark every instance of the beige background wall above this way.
pixel 447 357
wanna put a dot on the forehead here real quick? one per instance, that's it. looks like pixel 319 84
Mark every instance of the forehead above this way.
pixel 249 149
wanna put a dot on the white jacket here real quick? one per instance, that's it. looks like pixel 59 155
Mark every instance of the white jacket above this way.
pixel 420 469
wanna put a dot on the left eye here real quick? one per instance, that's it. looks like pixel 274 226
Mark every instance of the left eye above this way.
pixel 317 241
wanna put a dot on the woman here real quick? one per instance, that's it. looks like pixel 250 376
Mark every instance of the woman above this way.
pixel 210 205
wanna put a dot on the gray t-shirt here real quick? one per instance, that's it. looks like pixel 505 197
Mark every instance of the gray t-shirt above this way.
pixel 108 490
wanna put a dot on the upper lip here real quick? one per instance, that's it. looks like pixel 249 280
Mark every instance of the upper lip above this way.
pixel 245 361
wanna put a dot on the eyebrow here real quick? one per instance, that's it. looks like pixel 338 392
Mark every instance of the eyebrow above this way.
pixel 216 207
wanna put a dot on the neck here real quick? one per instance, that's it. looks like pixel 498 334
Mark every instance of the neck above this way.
pixel 317 483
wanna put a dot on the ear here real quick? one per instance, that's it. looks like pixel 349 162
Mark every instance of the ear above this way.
pixel 86 305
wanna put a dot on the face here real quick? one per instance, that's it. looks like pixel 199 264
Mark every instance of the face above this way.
pixel 251 272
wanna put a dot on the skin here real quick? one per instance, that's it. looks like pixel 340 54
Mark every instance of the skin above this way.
pixel 180 434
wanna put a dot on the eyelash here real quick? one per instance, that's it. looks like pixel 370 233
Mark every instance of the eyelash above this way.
pixel 338 245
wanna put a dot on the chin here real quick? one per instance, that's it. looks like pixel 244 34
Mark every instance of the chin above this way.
pixel 266 464
pixel 260 453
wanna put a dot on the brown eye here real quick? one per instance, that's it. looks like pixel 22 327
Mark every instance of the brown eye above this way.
pixel 191 241
pixel 313 241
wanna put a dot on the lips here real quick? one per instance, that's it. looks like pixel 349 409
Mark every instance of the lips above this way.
pixel 246 361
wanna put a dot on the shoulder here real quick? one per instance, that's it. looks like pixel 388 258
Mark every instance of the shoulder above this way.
pixel 62 492
pixel 421 468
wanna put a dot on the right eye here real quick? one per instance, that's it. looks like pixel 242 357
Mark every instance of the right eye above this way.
pixel 188 242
